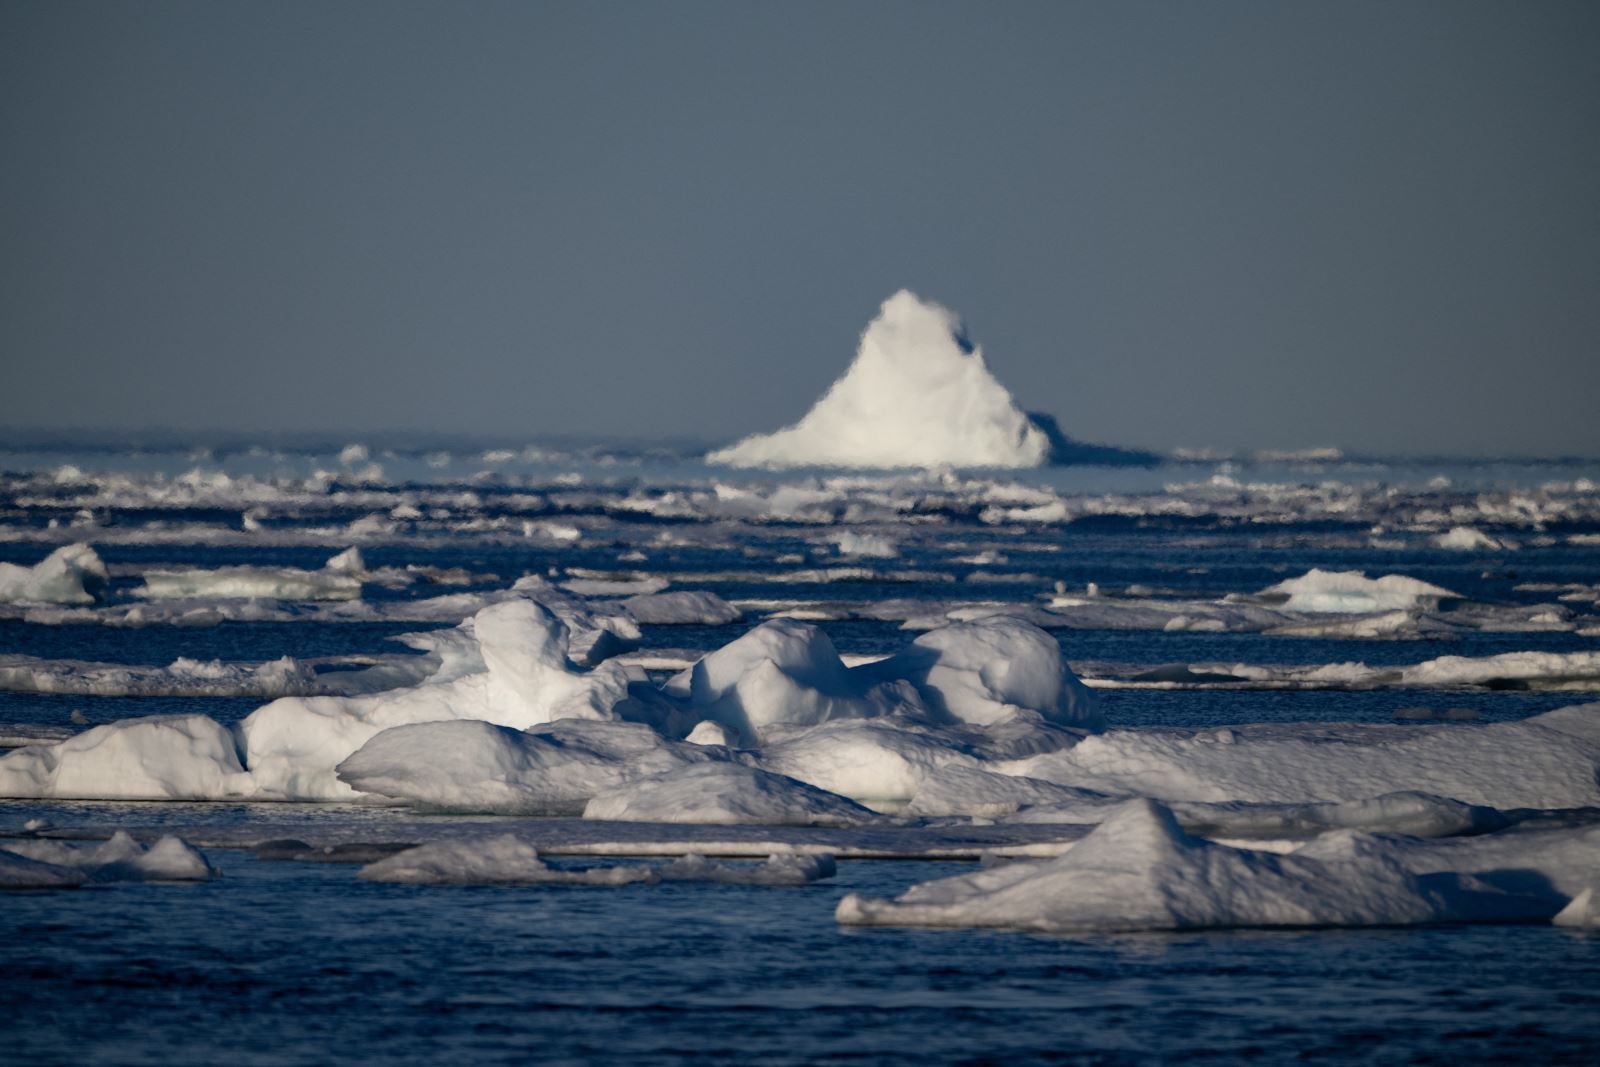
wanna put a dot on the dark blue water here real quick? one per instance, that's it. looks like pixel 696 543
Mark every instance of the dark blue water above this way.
pixel 289 963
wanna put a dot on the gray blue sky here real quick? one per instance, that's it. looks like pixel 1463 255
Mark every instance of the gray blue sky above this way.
pixel 1372 225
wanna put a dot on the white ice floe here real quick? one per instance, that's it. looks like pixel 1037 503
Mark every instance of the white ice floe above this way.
pixel 510 860
pixel 183 677
pixel 917 395
pixel 1469 539
pixel 1582 911
pixel 779 869
pixel 780 673
pixel 159 757
pixel 497 860
pixel 1138 870
pixel 120 859
pixel 1535 670
pixel 1547 761
pixel 724 793
pixel 1353 592
pixel 526 678
pixel 877 546
pixel 72 574
pixel 340 579
pixel 987 670
pixel 20 872
pixel 479 767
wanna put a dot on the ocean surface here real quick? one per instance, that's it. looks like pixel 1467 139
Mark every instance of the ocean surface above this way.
pixel 297 962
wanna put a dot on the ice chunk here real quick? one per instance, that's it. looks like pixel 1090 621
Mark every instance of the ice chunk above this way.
pixel 680 608
pixel 1547 761
pixel 707 732
pixel 851 543
pixel 183 677
pixel 917 395
pixel 72 574
pixel 122 859
pixel 293 744
pixel 877 762
pixel 989 669
pixel 1139 871
pixel 20 872
pixel 490 861
pixel 962 790
pixel 159 757
pixel 1468 539
pixel 1352 592
pixel 1582 911
pixel 725 793
pixel 780 673
pixel 340 579
pixel 779 869
pixel 479 767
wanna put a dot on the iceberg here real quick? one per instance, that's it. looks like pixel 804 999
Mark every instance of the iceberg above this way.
pixel 918 394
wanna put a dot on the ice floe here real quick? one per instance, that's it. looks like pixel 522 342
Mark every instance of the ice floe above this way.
pixel 72 574
pixel 340 579
pixel 480 767
pixel 724 793
pixel 1138 870
pixel 1353 592
pixel 1547 761
pixel 508 859
pixel 120 859
pixel 158 757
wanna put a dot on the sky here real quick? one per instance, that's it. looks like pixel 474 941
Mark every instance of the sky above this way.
pixel 1373 226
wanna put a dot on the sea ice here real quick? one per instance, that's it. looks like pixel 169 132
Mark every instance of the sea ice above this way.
pixel 479 767
pixel 20 872
pixel 1547 761
pixel 72 574
pixel 724 793
pixel 293 744
pixel 121 859
pixel 780 868
pixel 917 395
pixel 1139 871
pixel 340 579
pixel 987 670
pixel 780 673
pixel 158 757
pixel 490 861
pixel 1353 592
pixel 1582 911
pixel 508 859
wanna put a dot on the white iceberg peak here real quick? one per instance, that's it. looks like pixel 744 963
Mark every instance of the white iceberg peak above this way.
pixel 918 395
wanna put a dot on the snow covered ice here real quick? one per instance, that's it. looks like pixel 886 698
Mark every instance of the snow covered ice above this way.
pixel 917 395
pixel 1139 871
pixel 1172 700
pixel 72 574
